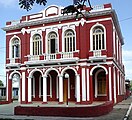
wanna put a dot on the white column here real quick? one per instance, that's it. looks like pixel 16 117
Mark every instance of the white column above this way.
pixel 44 89
pixel 83 85
pixel 29 89
pixel 57 89
pixel 118 82
pixel 23 86
pixel 78 87
pixel 33 81
pixel 7 87
pixel 110 89
pixel 40 87
pixel 88 97
pixel 60 88
pixel 114 85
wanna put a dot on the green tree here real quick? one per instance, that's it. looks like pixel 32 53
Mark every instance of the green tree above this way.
pixel 1 83
pixel 27 4
pixel 131 85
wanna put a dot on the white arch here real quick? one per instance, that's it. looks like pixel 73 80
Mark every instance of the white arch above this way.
pixel 31 40
pixel 99 66
pixel 63 32
pixel 10 44
pixel 62 72
pixel 14 72
pixel 48 31
pixel 34 70
pixel 48 70
pixel 91 34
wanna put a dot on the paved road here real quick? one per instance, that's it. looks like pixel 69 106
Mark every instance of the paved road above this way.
pixel 118 113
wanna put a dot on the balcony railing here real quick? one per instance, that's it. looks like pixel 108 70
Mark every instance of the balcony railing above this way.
pixel 97 53
pixel 54 56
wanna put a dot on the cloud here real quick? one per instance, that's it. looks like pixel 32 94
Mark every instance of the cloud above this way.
pixel 8 3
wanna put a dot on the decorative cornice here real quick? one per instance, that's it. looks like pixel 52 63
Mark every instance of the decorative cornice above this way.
pixel 55 19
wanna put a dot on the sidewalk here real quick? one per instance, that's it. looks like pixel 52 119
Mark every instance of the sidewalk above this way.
pixel 118 113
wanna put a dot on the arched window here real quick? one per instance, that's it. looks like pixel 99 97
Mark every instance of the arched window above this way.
pixel 69 41
pixel 98 38
pixel 37 44
pixel 52 43
pixel 15 48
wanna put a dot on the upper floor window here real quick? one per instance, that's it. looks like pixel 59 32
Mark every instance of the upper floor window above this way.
pixel 15 48
pixel 98 38
pixel 52 43
pixel 69 41
pixel 37 44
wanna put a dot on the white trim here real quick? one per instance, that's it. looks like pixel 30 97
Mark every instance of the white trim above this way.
pixel 96 83
pixel 33 80
pixel 91 35
pixel 48 31
pixel 7 86
pixel 110 85
pixel 14 72
pixel 88 86
pixel 114 78
pixel 40 86
pixel 10 46
pixel 44 89
pixel 49 69
pixel 64 29
pixel 29 89
pixel 114 33
pixel 57 87
pixel 78 87
pixel 83 85
pixel 118 82
pixel 76 23
pixel 66 68
pixel 98 66
pixel 34 32
pixel 60 88
pixel 23 86
pixel 34 70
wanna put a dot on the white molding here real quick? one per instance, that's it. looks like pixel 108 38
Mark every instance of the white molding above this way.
pixel 110 85
pixel 23 86
pixel 83 85
pixel 88 86
pixel 114 85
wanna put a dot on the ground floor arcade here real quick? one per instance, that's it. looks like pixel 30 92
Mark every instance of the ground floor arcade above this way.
pixel 79 84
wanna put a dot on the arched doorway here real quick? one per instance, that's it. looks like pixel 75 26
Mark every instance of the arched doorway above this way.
pixel 37 88
pixel 99 84
pixel 69 86
pixel 16 86
pixel 52 86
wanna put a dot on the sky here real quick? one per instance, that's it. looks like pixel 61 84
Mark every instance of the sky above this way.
pixel 10 10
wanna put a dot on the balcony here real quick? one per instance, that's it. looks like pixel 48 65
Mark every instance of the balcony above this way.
pixel 53 58
pixel 97 55
pixel 13 62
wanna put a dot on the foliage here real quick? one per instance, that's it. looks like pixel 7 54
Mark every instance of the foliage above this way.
pixel 27 4
pixel 131 85
pixel 1 83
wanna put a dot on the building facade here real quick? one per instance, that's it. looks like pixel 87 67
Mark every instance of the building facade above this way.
pixel 56 57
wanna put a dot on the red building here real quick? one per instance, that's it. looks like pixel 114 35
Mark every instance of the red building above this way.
pixel 53 56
